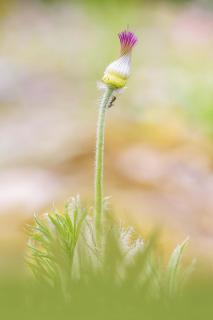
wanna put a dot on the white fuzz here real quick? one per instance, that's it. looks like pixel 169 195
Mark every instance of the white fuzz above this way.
pixel 130 248
pixel 102 86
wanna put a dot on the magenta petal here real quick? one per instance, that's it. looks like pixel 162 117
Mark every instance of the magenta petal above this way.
pixel 128 40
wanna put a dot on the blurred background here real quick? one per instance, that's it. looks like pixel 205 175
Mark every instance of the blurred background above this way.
pixel 159 152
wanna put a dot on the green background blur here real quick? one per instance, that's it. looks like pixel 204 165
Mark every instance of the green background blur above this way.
pixel 159 154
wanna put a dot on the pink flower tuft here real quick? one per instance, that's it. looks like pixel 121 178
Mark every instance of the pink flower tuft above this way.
pixel 128 40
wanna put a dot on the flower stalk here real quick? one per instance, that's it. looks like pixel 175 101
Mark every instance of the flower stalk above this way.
pixel 114 80
pixel 99 164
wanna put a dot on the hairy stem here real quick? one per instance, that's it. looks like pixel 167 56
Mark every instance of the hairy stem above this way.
pixel 99 159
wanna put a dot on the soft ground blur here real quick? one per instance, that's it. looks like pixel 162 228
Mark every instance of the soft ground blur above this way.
pixel 159 154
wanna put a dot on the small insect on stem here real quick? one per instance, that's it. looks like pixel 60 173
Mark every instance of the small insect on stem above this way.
pixel 112 102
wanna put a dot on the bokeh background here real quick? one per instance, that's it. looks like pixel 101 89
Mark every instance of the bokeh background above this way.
pixel 159 152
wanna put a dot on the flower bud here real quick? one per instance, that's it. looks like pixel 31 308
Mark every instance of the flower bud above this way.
pixel 117 72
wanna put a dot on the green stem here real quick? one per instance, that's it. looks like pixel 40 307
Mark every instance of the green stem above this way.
pixel 99 159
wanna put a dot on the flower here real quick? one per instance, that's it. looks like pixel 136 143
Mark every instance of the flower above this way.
pixel 117 72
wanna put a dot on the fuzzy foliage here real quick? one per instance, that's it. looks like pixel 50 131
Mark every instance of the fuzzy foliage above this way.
pixel 62 251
